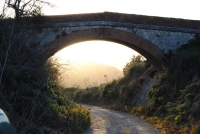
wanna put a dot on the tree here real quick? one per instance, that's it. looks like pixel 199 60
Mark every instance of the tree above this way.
pixel 23 93
pixel 13 49
pixel 134 60
pixel 24 8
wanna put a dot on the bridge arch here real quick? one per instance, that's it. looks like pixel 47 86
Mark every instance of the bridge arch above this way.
pixel 146 48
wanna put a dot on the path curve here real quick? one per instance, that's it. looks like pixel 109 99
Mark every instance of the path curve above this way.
pixel 107 121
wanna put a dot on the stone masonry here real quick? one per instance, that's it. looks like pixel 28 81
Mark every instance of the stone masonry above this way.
pixel 150 36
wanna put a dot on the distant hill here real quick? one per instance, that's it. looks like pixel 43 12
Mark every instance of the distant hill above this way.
pixel 89 74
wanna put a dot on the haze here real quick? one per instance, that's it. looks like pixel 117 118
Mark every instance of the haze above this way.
pixel 88 62
pixel 103 52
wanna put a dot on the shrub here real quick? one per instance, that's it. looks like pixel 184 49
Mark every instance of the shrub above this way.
pixel 140 110
pixel 71 119
pixel 31 105
pixel 195 129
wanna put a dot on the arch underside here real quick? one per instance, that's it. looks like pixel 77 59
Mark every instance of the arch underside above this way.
pixel 146 48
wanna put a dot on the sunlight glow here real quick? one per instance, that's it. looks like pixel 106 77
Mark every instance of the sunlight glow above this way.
pixel 102 52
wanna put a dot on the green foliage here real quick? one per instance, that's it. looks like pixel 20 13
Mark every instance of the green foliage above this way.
pixel 29 85
pixel 139 110
pixel 32 97
pixel 32 105
pixel 195 129
pixel 135 67
pixel 119 93
pixel 173 95
pixel 170 100
pixel 71 118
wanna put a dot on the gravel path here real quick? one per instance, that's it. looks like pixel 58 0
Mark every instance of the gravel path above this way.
pixel 106 121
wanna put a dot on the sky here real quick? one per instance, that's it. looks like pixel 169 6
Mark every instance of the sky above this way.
pixel 102 52
pixel 188 9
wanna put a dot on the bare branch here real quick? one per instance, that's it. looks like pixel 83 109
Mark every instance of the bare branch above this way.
pixel 27 8
pixel 7 53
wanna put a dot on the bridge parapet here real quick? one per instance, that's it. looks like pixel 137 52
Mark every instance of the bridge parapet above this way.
pixel 119 24
pixel 126 18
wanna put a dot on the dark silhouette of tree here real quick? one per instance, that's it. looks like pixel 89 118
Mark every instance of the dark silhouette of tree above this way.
pixel 12 49
pixel 24 8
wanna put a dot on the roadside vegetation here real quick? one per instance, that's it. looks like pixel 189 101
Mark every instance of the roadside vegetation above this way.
pixel 30 93
pixel 173 102
pixel 118 93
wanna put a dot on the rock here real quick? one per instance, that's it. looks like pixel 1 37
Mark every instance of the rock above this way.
pixel 195 78
pixel 147 81
pixel 141 97
pixel 141 78
pixel 196 107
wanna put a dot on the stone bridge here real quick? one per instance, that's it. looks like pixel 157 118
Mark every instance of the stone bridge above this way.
pixel 148 35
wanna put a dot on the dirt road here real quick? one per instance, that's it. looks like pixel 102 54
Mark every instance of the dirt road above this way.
pixel 106 121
